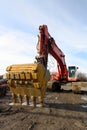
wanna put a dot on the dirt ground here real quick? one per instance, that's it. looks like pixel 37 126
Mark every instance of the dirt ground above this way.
pixel 62 111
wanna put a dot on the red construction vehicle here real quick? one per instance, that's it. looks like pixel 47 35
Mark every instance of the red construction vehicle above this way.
pixel 30 80
pixel 46 45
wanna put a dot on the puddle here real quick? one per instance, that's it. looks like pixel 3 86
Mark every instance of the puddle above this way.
pixel 84 106
pixel 84 98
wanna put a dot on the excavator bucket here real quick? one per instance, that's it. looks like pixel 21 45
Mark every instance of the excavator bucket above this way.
pixel 27 83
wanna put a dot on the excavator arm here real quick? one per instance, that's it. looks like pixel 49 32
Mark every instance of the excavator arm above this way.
pixel 47 45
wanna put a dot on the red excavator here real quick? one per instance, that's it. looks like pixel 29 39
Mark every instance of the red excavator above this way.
pixel 46 45
pixel 30 80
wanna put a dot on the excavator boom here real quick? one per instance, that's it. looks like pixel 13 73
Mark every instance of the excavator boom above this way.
pixel 47 45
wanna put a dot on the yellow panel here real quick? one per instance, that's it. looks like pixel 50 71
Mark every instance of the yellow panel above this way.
pixel 28 76
pixel 34 76
pixel 17 76
pixel 12 76
pixel 22 75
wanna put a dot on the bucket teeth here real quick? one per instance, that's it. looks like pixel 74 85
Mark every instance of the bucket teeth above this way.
pixel 41 101
pixel 26 100
pixel 13 98
pixel 34 101
pixel 19 99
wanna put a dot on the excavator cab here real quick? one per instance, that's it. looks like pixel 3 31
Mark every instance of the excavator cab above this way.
pixel 72 73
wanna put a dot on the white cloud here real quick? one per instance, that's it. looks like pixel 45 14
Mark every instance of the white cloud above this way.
pixel 16 47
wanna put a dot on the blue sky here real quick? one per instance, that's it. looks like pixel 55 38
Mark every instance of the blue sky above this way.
pixel 19 23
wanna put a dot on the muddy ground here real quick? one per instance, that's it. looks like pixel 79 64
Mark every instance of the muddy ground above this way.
pixel 62 111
